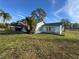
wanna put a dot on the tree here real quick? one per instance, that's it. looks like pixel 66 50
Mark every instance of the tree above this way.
pixel 6 16
pixel 39 14
pixel 76 26
pixel 29 23
pixel 66 23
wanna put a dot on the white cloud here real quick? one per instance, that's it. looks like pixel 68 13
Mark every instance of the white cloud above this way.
pixel 62 9
pixel 73 8
pixel 22 16
pixel 59 11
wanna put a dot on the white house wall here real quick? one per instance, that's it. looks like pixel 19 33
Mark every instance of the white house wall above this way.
pixel 60 29
pixel 54 29
pixel 38 26
pixel 57 29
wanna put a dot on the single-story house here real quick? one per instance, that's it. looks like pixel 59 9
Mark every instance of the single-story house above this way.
pixel 41 27
pixel 18 27
pixel 56 28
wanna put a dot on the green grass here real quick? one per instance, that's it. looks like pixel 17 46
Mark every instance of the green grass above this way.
pixel 40 46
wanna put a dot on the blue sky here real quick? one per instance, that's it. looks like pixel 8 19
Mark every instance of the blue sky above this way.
pixel 55 9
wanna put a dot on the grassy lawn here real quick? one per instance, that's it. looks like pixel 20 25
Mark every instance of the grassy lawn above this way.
pixel 40 46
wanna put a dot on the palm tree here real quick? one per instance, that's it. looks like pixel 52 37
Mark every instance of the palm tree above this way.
pixel 6 16
pixel 29 23
pixel 39 14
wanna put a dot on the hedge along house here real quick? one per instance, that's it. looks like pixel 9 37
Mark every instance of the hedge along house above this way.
pixel 55 28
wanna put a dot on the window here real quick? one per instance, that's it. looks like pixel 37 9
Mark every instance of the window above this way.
pixel 48 28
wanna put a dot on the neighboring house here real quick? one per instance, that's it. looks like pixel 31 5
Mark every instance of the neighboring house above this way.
pixel 41 27
pixel 18 27
pixel 56 28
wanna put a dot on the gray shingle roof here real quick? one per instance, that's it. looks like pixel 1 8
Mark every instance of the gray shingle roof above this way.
pixel 53 24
